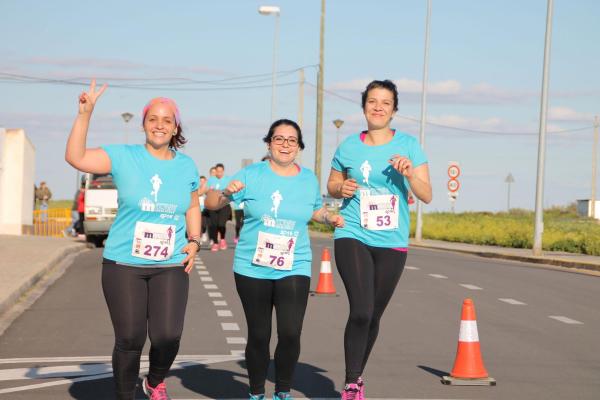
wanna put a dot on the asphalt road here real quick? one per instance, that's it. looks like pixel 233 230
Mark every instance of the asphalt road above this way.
pixel 538 329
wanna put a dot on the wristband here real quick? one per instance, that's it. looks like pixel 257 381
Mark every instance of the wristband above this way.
pixel 196 241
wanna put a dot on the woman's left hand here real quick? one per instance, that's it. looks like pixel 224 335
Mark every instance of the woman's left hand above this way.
pixel 402 164
pixel 191 249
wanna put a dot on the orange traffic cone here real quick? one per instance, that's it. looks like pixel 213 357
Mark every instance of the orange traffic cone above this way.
pixel 468 365
pixel 325 285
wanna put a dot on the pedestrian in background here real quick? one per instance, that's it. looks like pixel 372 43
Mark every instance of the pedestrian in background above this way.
pixel 43 194
pixel 147 257
pixel 218 217
pixel 373 171
pixel 272 261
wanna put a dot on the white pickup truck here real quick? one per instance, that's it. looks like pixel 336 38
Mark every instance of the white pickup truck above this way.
pixel 100 207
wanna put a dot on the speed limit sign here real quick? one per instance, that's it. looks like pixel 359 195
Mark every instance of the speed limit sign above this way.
pixel 453 185
pixel 453 170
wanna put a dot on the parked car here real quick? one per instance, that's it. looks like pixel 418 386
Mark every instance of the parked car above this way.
pixel 100 207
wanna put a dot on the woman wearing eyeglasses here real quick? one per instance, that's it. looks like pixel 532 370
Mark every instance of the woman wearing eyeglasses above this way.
pixel 272 263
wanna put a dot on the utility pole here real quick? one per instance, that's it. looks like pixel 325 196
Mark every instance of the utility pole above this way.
pixel 509 179
pixel 320 77
pixel 539 191
pixel 594 165
pixel 300 109
pixel 301 98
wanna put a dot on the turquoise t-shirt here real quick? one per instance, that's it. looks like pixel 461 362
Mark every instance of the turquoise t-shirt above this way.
pixel 370 166
pixel 218 183
pixel 277 205
pixel 150 191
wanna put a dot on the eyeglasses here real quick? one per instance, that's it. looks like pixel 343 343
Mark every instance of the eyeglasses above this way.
pixel 279 140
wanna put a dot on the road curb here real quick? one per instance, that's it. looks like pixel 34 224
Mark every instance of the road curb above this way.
pixel 555 261
pixel 54 260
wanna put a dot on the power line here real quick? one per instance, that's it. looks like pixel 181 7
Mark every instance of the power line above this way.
pixel 456 127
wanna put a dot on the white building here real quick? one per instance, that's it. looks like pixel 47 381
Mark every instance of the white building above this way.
pixel 584 208
pixel 17 171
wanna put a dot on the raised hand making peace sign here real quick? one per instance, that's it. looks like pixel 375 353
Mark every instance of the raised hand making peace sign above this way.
pixel 87 101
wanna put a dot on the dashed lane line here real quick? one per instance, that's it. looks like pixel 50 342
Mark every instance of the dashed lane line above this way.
pixel 230 326
pixel 565 320
pixel 438 276
pixel 513 302
pixel 469 286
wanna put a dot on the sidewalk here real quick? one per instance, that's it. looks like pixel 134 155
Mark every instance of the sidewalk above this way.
pixel 557 258
pixel 27 259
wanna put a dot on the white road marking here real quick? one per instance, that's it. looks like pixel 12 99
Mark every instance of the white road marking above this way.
pixel 224 313
pixel 203 273
pixel 230 326
pixel 215 294
pixel 32 373
pixel 219 302
pixel 566 320
pixel 206 279
pixel 513 302
pixel 469 286
pixel 438 276
pixel 411 268
pixel 210 286
pixel 239 353
pixel 236 340
pixel 200 267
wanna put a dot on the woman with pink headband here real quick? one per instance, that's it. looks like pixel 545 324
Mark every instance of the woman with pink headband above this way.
pixel 152 243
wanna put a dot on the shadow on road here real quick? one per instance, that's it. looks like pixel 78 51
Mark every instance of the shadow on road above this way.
pixel 212 382
pixel 434 371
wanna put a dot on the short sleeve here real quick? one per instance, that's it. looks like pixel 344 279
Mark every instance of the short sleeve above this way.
pixel 241 176
pixel 195 177
pixel 115 153
pixel 336 162
pixel 417 156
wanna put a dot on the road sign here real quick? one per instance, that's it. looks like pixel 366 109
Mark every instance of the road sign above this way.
pixel 453 185
pixel 453 170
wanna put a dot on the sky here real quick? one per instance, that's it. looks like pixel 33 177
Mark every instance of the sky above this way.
pixel 215 58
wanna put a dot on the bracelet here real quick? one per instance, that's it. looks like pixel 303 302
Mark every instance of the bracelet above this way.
pixel 196 241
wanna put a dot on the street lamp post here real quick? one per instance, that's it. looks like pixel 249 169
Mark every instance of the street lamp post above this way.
pixel 538 228
pixel 126 117
pixel 419 222
pixel 338 124
pixel 273 10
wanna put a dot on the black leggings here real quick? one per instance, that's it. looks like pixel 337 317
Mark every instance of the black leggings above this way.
pixel 137 298
pixel 217 222
pixel 239 221
pixel 289 296
pixel 370 275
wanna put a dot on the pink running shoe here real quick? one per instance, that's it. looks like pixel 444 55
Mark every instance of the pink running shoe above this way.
pixel 223 244
pixel 157 393
pixel 214 247
pixel 351 392
pixel 361 388
pixel 236 240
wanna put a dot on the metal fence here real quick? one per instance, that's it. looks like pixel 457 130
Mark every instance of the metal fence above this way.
pixel 51 222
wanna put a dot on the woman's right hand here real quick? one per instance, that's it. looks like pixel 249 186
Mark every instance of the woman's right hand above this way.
pixel 348 187
pixel 87 100
pixel 233 187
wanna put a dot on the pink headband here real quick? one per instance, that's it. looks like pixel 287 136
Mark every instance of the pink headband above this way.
pixel 163 100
